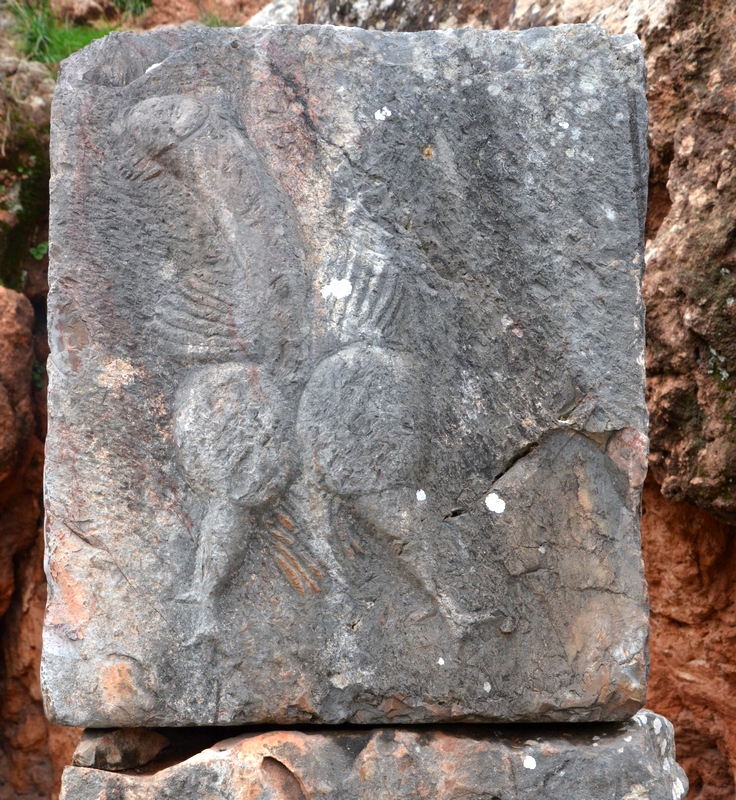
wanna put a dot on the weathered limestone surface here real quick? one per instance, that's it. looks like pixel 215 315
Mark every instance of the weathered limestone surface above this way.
pixel 629 761
pixel 118 749
pixel 347 418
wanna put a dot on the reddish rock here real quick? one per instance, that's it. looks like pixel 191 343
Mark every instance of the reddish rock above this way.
pixel 21 455
pixel 32 751
pixel 691 569
pixel 174 12
pixel 16 362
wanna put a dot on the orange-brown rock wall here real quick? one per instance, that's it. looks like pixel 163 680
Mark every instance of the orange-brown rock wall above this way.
pixel 690 560
pixel 32 751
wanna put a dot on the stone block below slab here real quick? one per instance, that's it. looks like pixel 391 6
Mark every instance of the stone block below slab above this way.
pixel 634 760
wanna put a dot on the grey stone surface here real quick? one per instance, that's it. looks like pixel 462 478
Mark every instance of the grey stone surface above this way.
pixel 118 749
pixel 347 414
pixel 628 761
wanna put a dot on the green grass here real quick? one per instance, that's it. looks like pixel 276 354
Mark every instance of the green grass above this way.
pixel 43 38
pixel 212 20
pixel 132 7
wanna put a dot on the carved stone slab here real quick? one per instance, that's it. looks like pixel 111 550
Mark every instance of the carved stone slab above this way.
pixel 347 378
pixel 630 761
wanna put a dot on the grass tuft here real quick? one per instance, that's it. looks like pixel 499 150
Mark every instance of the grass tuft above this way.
pixel 43 38
pixel 132 7
pixel 212 20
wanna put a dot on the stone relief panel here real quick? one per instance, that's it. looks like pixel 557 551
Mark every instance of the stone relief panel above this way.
pixel 347 387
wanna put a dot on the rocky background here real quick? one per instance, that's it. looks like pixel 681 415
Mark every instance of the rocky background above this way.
pixel 690 290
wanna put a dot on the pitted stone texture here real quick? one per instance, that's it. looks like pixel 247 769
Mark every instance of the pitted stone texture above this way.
pixel 629 761
pixel 118 749
pixel 347 408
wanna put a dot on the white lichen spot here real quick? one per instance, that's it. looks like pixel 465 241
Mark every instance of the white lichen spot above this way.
pixel 542 549
pixel 678 790
pixel 494 90
pixel 383 114
pixel 564 124
pixel 729 302
pixel 487 687
pixel 627 738
pixel 441 661
pixel 657 725
pixel 495 503
pixel 337 288
pixel 421 495
pixel 640 719
pixel 153 67
pixel 569 153
pixel 530 762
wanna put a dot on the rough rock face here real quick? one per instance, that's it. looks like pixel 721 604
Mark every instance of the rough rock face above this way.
pixel 16 362
pixel 631 761
pixel 691 273
pixel 340 449
pixel 32 751
pixel 407 15
pixel 118 749
pixel 690 282
pixel 691 570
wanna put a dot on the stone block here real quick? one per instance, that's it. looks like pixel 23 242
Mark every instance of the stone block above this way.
pixel 627 761
pixel 119 748
pixel 347 415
